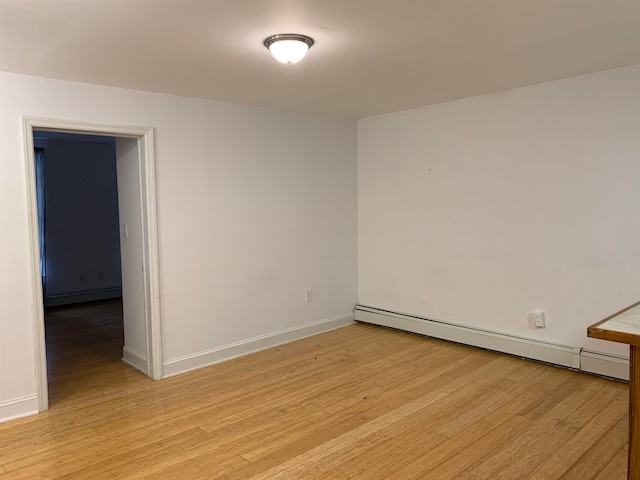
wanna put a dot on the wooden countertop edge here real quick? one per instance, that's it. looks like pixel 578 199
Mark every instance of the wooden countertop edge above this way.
pixel 594 331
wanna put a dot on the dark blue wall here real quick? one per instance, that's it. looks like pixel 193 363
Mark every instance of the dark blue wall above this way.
pixel 82 234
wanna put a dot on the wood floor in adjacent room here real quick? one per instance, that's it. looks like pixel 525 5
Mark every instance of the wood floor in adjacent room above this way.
pixel 360 402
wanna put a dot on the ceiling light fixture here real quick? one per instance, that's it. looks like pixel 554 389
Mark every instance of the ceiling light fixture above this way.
pixel 288 47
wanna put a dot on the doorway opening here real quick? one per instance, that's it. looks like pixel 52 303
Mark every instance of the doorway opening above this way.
pixel 135 165
pixel 80 263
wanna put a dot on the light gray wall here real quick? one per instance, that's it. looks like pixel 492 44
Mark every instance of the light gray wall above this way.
pixel 82 236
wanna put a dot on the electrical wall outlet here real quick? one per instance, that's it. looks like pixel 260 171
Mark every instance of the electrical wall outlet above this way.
pixel 308 295
pixel 100 275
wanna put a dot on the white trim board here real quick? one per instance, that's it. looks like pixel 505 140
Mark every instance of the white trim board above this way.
pixel 566 356
pixel 187 363
pixel 18 408
pixel 134 359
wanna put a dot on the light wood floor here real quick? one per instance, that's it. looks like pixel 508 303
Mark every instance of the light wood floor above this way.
pixel 361 402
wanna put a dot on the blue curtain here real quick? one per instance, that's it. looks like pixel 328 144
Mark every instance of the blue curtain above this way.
pixel 39 157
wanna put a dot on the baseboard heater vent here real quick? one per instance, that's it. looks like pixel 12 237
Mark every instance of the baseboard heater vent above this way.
pixel 81 297
pixel 571 357
pixel 604 364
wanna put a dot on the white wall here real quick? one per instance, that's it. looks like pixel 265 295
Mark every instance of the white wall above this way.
pixel 254 206
pixel 479 211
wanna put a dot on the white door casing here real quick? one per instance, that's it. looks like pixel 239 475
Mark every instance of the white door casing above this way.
pixel 136 165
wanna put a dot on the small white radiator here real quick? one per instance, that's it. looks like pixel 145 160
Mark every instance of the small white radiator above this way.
pixel 571 357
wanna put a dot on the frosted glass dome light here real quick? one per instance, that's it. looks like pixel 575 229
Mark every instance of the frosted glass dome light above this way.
pixel 288 47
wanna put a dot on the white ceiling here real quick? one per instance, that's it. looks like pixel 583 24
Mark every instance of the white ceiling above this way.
pixel 370 56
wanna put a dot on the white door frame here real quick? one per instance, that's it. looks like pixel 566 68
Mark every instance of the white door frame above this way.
pixel 146 158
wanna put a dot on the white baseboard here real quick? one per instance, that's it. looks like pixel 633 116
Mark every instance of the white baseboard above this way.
pixel 563 355
pixel 81 297
pixel 256 344
pixel 134 359
pixel 18 408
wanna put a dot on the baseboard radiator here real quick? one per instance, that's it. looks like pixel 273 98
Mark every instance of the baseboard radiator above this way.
pixel 81 297
pixel 575 358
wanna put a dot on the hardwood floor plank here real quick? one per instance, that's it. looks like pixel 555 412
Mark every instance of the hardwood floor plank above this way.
pixel 594 460
pixel 381 461
pixel 204 466
pixel 332 453
pixel 595 427
pixel 126 460
pixel 617 467
pixel 473 434
pixel 460 458
pixel 360 402
pixel 393 441
pixel 546 434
